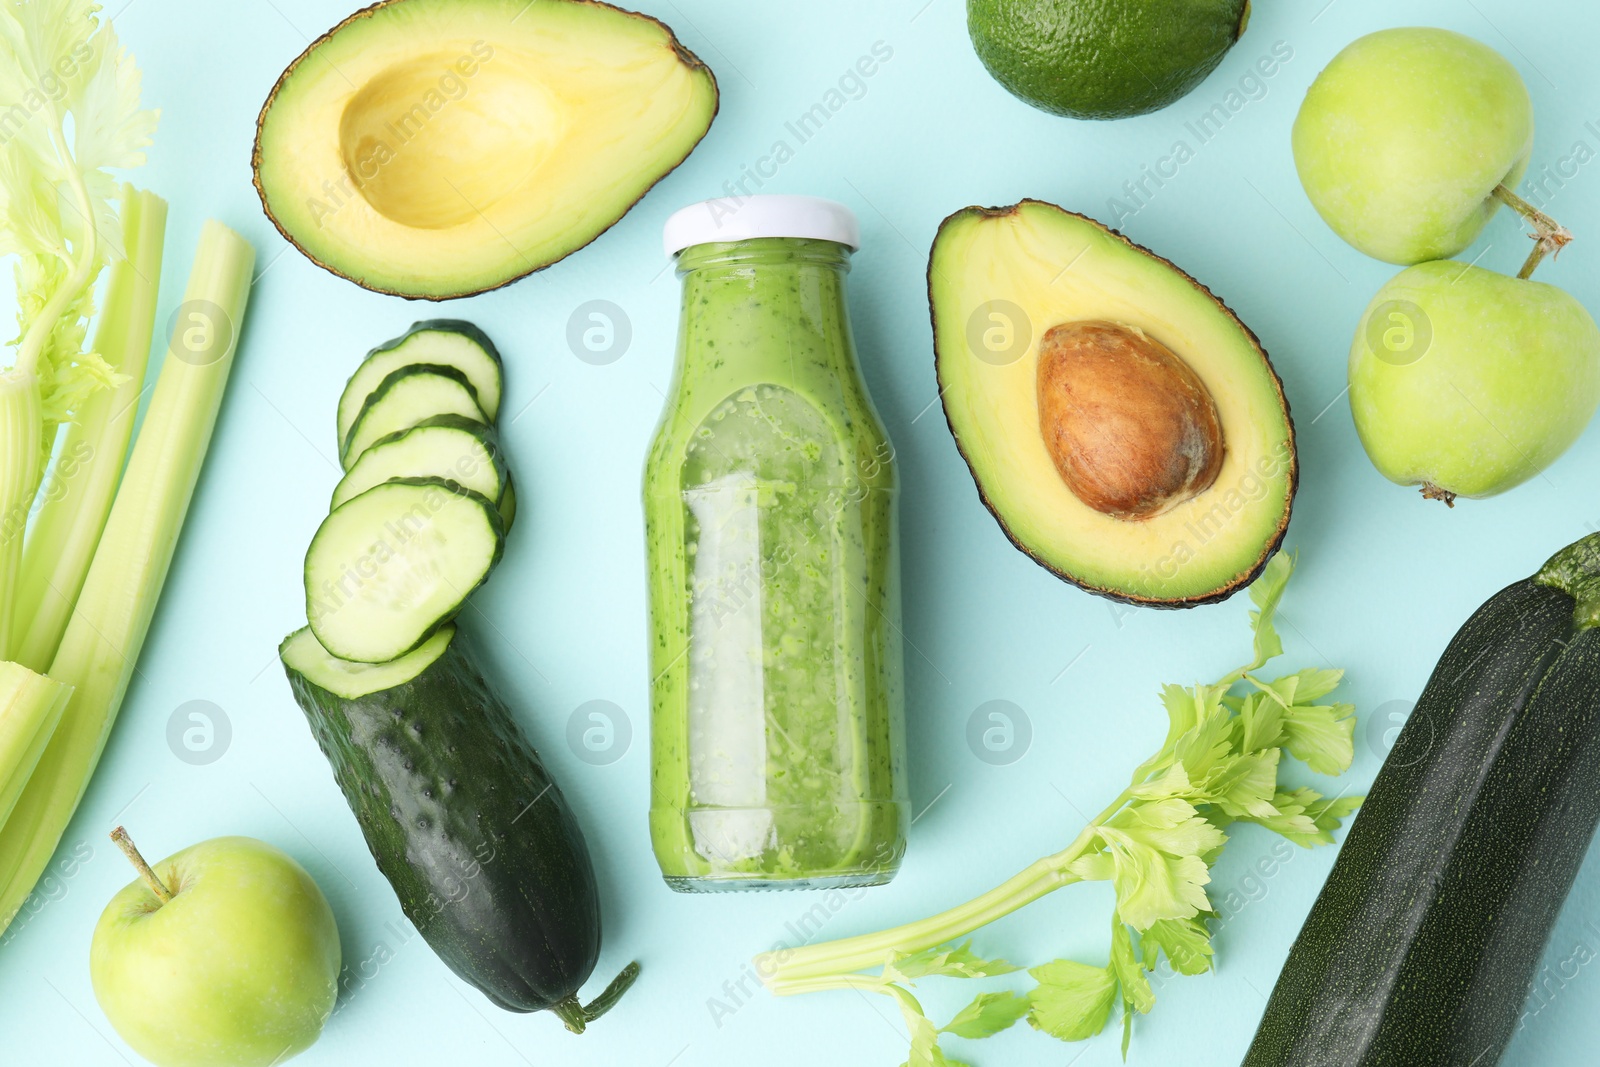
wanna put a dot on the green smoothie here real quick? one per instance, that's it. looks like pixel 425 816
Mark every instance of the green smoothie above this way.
pixel 776 728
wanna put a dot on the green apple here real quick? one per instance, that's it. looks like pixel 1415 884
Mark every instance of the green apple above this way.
pixel 1402 140
pixel 223 955
pixel 1469 382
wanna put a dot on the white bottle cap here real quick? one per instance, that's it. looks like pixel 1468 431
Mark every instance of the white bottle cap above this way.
pixel 748 217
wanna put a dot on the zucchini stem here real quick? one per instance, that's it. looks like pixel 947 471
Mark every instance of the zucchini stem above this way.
pixel 125 843
pixel 578 1016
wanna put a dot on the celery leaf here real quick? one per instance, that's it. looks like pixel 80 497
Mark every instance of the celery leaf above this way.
pixel 64 70
pixel 957 962
pixel 987 1014
pixel 1266 592
pixel 925 1050
pixel 1072 1000
pixel 1307 818
pixel 1323 737
pixel 1185 942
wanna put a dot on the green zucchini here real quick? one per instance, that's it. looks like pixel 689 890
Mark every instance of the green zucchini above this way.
pixel 480 846
pixel 1423 944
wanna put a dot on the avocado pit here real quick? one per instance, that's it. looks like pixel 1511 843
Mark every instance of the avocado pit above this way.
pixel 1130 427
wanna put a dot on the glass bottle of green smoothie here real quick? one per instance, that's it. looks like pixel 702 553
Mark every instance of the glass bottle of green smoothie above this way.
pixel 777 748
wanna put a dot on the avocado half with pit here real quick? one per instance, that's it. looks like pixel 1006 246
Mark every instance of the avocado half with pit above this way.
pixel 439 148
pixel 1122 424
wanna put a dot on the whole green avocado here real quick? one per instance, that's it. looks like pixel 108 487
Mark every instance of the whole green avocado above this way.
pixel 1103 59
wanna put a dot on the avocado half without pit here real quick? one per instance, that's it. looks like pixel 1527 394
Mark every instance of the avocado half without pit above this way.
pixel 1122 424
pixel 439 148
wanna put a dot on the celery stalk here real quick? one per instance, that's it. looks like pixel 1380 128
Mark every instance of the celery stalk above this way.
pixel 30 709
pixel 112 616
pixel 79 491
pixel 21 422
pixel 57 224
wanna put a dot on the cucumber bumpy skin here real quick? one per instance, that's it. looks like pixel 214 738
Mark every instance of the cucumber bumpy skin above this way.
pixel 479 844
pixel 1425 939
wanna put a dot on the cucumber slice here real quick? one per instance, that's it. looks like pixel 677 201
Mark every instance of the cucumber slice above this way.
pixel 302 652
pixel 445 446
pixel 406 397
pixel 390 567
pixel 508 503
pixel 441 342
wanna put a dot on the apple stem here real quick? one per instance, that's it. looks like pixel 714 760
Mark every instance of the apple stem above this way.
pixel 1549 236
pixel 125 843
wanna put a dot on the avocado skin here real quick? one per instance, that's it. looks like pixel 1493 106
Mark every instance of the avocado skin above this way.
pixel 483 851
pixel 1425 940
pixel 1103 59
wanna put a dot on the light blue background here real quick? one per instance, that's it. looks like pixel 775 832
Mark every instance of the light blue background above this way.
pixel 1385 577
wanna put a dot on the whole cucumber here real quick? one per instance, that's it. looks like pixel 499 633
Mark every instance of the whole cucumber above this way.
pixel 480 846
pixel 1423 944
